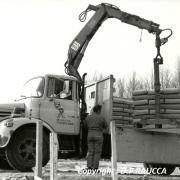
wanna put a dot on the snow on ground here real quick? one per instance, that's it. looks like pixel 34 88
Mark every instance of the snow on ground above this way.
pixel 72 169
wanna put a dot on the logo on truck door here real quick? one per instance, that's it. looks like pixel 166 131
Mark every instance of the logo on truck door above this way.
pixel 62 118
pixel 60 109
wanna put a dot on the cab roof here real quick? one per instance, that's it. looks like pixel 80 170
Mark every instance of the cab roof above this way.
pixel 61 76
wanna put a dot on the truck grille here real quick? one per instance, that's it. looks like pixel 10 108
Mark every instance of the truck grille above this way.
pixel 4 113
pixel 18 112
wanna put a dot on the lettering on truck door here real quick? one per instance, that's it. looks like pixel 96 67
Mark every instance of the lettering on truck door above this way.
pixel 58 108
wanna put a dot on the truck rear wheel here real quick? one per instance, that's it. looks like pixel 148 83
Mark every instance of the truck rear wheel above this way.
pixel 169 169
pixel 21 150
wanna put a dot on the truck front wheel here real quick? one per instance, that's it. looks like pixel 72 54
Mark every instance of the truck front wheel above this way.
pixel 21 150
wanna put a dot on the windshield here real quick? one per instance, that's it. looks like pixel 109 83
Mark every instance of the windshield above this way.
pixel 33 88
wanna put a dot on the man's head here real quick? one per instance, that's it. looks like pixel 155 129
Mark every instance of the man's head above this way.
pixel 97 109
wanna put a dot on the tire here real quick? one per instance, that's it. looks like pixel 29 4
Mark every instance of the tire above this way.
pixel 4 164
pixel 21 151
pixel 169 168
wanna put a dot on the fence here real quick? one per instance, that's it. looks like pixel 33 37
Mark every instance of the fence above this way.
pixel 39 153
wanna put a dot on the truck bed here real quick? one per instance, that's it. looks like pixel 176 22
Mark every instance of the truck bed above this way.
pixel 138 138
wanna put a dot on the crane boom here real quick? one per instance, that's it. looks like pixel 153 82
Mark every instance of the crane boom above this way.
pixel 102 12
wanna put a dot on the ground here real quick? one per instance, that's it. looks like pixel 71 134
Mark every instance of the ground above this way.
pixel 68 169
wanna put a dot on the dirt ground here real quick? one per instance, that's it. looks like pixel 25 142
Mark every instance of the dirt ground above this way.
pixel 72 169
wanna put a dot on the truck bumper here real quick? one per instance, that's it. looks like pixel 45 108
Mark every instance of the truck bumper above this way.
pixel 5 135
pixel 3 141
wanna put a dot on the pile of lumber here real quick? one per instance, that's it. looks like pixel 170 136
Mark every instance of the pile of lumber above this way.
pixel 145 107
pixel 122 111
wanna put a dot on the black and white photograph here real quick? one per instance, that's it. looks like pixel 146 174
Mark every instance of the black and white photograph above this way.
pixel 90 90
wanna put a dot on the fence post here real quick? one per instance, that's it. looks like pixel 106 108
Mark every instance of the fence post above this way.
pixel 53 156
pixel 39 144
pixel 113 132
pixel 114 150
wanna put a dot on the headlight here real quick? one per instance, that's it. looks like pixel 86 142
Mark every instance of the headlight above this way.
pixel 9 123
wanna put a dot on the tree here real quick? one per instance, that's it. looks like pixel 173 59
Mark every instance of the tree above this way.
pixel 132 84
pixel 120 87
pixel 178 71
pixel 95 77
pixel 165 78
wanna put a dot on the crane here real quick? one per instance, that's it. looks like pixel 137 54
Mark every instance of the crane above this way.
pixel 104 11
pixel 79 44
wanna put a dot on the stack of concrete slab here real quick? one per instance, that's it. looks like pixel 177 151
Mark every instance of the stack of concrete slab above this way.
pixel 122 111
pixel 144 104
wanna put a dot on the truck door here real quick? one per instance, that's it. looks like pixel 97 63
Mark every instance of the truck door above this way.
pixel 59 107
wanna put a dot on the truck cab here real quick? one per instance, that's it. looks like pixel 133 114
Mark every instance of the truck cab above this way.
pixel 53 99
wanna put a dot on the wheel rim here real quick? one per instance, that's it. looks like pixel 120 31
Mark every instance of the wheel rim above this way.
pixel 27 150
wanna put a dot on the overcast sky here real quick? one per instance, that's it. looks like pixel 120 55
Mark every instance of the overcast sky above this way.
pixel 35 35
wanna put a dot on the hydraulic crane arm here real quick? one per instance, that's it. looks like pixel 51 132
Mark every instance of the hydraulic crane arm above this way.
pixel 102 12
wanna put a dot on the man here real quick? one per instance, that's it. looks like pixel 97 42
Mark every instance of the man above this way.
pixel 95 125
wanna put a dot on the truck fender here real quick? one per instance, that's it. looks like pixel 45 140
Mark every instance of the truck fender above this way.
pixel 17 123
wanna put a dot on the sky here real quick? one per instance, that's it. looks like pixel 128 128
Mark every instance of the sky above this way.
pixel 35 36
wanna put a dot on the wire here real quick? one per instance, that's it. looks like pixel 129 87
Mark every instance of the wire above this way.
pixel 83 15
pixel 171 32
pixel 165 39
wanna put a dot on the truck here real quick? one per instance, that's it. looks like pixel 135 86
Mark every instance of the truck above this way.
pixel 62 102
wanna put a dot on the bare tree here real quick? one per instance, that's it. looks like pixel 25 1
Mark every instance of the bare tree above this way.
pixel 95 77
pixel 132 85
pixel 178 71
pixel 151 80
pixel 125 87
pixel 165 78
pixel 120 87
pixel 146 83
pixel 174 81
